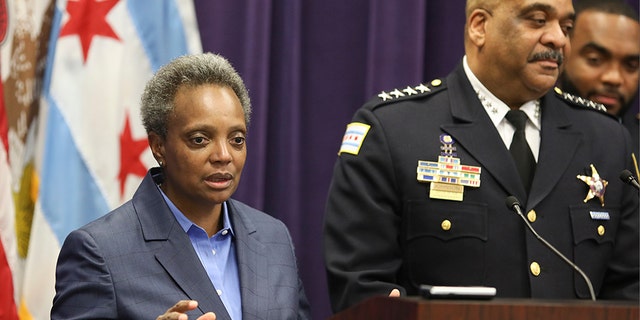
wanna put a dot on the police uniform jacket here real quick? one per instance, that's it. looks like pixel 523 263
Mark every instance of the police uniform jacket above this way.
pixel 383 231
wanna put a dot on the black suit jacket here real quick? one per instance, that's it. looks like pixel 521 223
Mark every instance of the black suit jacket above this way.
pixel 383 231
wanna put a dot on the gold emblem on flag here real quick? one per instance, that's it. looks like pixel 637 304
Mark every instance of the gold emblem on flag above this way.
pixel 448 176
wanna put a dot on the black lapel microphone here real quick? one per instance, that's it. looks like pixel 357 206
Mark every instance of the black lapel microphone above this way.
pixel 627 177
pixel 513 204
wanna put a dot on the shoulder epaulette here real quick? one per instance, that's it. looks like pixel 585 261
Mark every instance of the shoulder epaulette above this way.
pixel 577 101
pixel 420 91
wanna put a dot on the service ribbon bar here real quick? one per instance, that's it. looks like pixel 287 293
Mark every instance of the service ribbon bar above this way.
pixel 448 170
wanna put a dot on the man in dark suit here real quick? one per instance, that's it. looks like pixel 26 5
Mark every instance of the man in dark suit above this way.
pixel 418 191
pixel 181 247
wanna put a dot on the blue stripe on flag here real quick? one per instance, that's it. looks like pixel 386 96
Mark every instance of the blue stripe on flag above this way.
pixel 69 197
pixel 68 193
pixel 161 32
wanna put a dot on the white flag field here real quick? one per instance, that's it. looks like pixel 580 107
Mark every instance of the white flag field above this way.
pixel 87 142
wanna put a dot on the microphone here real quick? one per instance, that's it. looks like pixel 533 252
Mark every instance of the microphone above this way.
pixel 627 177
pixel 513 204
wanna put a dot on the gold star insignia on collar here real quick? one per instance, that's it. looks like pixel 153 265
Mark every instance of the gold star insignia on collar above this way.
pixel 597 185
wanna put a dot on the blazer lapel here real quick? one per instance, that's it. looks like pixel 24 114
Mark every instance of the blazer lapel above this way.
pixel 558 145
pixel 252 264
pixel 472 129
pixel 177 256
pixel 181 262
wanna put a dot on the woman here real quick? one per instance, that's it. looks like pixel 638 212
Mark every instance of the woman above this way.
pixel 181 241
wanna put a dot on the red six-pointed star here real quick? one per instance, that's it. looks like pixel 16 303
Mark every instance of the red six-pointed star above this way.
pixel 87 18
pixel 130 151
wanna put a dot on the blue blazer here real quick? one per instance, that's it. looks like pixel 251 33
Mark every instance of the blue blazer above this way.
pixel 136 262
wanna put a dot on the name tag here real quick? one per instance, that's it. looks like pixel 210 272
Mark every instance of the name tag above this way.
pixel 599 215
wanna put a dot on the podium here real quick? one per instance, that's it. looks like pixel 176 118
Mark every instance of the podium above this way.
pixel 415 308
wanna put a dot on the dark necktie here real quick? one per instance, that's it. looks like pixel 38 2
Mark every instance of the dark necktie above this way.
pixel 519 148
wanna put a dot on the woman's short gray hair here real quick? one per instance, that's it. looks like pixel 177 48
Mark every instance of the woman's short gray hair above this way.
pixel 193 70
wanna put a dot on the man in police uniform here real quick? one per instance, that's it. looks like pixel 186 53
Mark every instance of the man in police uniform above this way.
pixel 418 191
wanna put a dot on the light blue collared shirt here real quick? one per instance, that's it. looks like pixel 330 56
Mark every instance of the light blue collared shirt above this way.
pixel 218 256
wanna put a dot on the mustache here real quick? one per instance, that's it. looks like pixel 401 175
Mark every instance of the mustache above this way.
pixel 546 55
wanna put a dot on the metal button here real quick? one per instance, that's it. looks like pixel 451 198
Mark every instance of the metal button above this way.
pixel 446 225
pixel 535 268
pixel 532 216
pixel 601 230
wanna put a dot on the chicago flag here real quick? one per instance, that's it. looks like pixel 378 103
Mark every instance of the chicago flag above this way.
pixel 93 146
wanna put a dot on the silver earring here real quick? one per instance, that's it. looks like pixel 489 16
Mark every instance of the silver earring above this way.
pixel 161 163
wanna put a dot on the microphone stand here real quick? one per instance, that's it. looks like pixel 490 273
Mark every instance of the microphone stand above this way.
pixel 514 204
